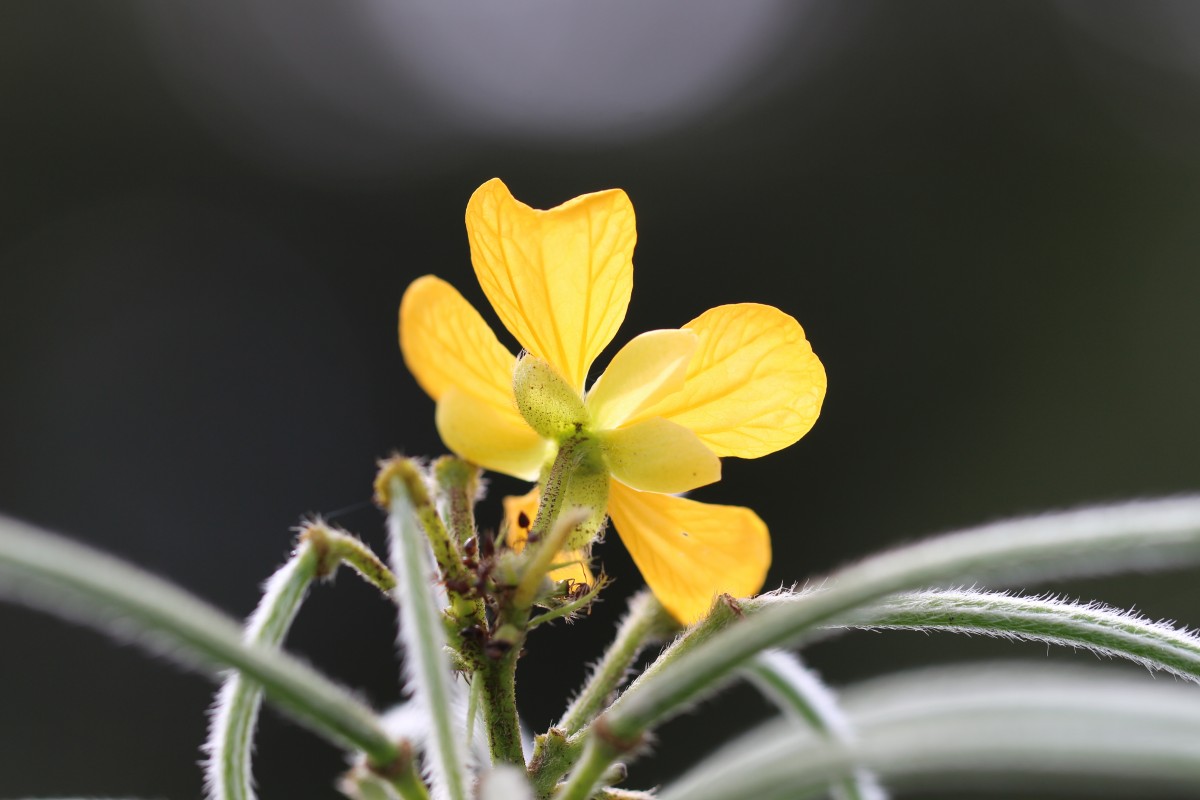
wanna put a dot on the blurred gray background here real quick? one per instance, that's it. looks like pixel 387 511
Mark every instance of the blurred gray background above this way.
pixel 985 215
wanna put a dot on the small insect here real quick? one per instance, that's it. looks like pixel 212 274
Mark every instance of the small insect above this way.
pixel 497 648
pixel 577 590
pixel 474 634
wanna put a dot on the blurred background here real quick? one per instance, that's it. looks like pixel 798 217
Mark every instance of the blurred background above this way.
pixel 985 216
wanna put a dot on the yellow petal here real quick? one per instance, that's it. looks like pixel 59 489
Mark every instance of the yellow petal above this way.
pixel 559 279
pixel 754 385
pixel 656 455
pixel 497 440
pixel 519 513
pixel 645 370
pixel 446 344
pixel 690 552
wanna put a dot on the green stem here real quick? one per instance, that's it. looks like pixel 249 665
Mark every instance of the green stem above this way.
pixel 342 548
pixel 560 752
pixel 1139 535
pixel 456 587
pixel 804 697
pixel 400 778
pixel 543 557
pixel 80 583
pixel 231 733
pixel 367 786
pixel 499 700
pixel 598 756
pixel 404 779
pixel 410 787
pixel 951 725
pixel 421 632
pixel 554 489
pixel 458 485
pixel 498 670
pixel 553 752
pixel 1102 630
pixel 445 552
pixel 645 620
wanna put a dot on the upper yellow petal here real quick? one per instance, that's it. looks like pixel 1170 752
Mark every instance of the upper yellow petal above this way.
pixel 754 385
pixel 691 552
pixel 519 514
pixel 447 344
pixel 657 455
pixel 645 370
pixel 493 437
pixel 559 280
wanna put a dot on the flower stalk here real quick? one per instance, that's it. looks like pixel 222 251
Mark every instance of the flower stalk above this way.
pixel 497 669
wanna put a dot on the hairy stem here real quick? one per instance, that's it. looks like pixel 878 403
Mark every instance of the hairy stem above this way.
pixel 1102 630
pixel 421 632
pixel 52 573
pixel 645 620
pixel 553 753
pixel 498 670
pixel 1005 725
pixel 231 731
pixel 804 697
pixel 1135 535
pixel 230 742
pixel 458 485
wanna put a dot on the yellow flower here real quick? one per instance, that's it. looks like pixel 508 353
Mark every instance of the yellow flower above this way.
pixel 739 380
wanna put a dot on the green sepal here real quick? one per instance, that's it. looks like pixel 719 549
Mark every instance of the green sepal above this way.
pixel 547 402
pixel 586 487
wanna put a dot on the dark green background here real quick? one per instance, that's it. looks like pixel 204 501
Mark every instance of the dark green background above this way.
pixel 985 215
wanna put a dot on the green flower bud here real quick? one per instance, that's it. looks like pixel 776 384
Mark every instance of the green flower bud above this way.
pixel 546 400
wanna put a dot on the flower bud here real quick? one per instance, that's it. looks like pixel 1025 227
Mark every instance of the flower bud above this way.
pixel 547 402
